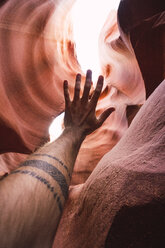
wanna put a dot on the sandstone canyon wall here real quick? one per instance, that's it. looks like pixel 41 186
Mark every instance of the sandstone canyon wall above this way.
pixel 37 52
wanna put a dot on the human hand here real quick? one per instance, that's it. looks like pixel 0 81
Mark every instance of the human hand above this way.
pixel 80 113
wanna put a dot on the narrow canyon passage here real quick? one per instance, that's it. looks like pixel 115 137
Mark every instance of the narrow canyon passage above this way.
pixel 119 173
pixel 39 42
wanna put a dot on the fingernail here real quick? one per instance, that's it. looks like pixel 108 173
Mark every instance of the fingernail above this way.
pixel 89 73
pixel 101 78
pixel 65 82
pixel 78 77
pixel 112 109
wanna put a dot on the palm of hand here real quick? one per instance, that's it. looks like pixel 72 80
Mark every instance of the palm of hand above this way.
pixel 80 113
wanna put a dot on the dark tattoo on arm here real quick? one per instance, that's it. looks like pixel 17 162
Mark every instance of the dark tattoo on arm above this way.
pixel 52 171
pixel 55 158
pixel 44 181
pixel 2 177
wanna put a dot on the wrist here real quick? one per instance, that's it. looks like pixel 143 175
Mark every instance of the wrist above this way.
pixel 74 134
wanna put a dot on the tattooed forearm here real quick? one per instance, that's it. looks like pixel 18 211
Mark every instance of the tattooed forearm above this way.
pixel 55 158
pixel 30 202
pixel 33 196
pixel 52 171
pixel 44 181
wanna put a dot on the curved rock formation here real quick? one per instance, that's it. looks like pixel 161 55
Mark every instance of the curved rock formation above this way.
pixel 127 183
pixel 122 203
pixel 37 53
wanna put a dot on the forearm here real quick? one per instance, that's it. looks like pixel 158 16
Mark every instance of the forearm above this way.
pixel 33 196
pixel 65 149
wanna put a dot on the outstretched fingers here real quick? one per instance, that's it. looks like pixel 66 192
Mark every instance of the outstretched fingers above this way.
pixel 87 86
pixel 105 115
pixel 97 91
pixel 77 88
pixel 66 93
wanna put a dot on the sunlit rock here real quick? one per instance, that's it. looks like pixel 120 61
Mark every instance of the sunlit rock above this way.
pixel 40 54
pixel 37 51
pixel 122 202
pixel 37 54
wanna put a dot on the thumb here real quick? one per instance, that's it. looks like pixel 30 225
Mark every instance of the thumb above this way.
pixel 105 115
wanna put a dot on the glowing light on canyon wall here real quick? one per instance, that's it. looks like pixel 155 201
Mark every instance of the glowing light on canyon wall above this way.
pixel 56 127
pixel 89 17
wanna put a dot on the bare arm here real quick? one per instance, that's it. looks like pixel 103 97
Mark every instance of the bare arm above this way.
pixel 32 197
